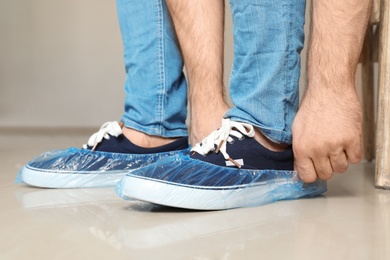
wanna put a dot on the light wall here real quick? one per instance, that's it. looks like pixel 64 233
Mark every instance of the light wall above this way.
pixel 61 63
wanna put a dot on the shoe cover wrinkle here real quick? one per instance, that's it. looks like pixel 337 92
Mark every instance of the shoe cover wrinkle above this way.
pixel 180 181
pixel 81 168
pixel 78 168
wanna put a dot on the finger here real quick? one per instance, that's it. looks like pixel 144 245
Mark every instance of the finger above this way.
pixel 305 169
pixel 323 168
pixel 339 162
pixel 354 153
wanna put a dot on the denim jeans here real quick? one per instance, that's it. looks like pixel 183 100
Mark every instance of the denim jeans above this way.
pixel 155 87
pixel 264 81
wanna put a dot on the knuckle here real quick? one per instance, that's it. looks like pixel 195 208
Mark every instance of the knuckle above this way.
pixel 324 173
pixel 298 148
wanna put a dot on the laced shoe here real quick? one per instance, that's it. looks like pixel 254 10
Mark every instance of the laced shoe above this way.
pixel 228 169
pixel 103 161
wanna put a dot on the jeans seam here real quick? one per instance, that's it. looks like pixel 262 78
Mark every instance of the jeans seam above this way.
pixel 288 63
pixel 161 61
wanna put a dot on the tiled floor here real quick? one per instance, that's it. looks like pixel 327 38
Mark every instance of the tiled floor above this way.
pixel 351 222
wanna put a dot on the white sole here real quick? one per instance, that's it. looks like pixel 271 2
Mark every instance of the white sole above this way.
pixel 45 179
pixel 202 198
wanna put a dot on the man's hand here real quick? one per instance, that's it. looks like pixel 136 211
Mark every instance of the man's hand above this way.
pixel 328 126
pixel 327 133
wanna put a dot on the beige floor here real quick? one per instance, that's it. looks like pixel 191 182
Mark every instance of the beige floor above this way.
pixel 352 221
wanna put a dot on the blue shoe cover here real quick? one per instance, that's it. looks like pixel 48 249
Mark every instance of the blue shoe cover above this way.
pixel 81 168
pixel 179 181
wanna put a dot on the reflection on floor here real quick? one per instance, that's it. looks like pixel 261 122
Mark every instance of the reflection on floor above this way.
pixel 352 221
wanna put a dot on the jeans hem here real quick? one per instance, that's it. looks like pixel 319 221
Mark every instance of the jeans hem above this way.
pixel 275 135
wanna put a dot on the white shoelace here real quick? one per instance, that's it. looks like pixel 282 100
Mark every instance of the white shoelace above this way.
pixel 222 136
pixel 108 128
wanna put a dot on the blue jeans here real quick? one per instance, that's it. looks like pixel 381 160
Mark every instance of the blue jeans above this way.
pixel 264 82
pixel 156 89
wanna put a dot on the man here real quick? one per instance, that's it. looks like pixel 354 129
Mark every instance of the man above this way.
pixel 253 144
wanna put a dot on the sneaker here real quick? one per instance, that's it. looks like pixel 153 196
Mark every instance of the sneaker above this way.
pixel 210 179
pixel 103 161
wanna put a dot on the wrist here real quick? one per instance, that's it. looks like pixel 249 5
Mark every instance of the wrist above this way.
pixel 336 78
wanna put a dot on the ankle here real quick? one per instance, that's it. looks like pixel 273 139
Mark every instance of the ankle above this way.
pixel 267 143
pixel 202 124
pixel 144 140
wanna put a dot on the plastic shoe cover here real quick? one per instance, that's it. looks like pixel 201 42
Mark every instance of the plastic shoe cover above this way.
pixel 182 182
pixel 81 168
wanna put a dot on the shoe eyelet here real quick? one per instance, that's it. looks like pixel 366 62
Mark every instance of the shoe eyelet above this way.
pixel 232 142
pixel 242 138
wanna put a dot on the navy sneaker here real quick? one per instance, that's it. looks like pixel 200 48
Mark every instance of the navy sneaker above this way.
pixel 228 169
pixel 107 157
